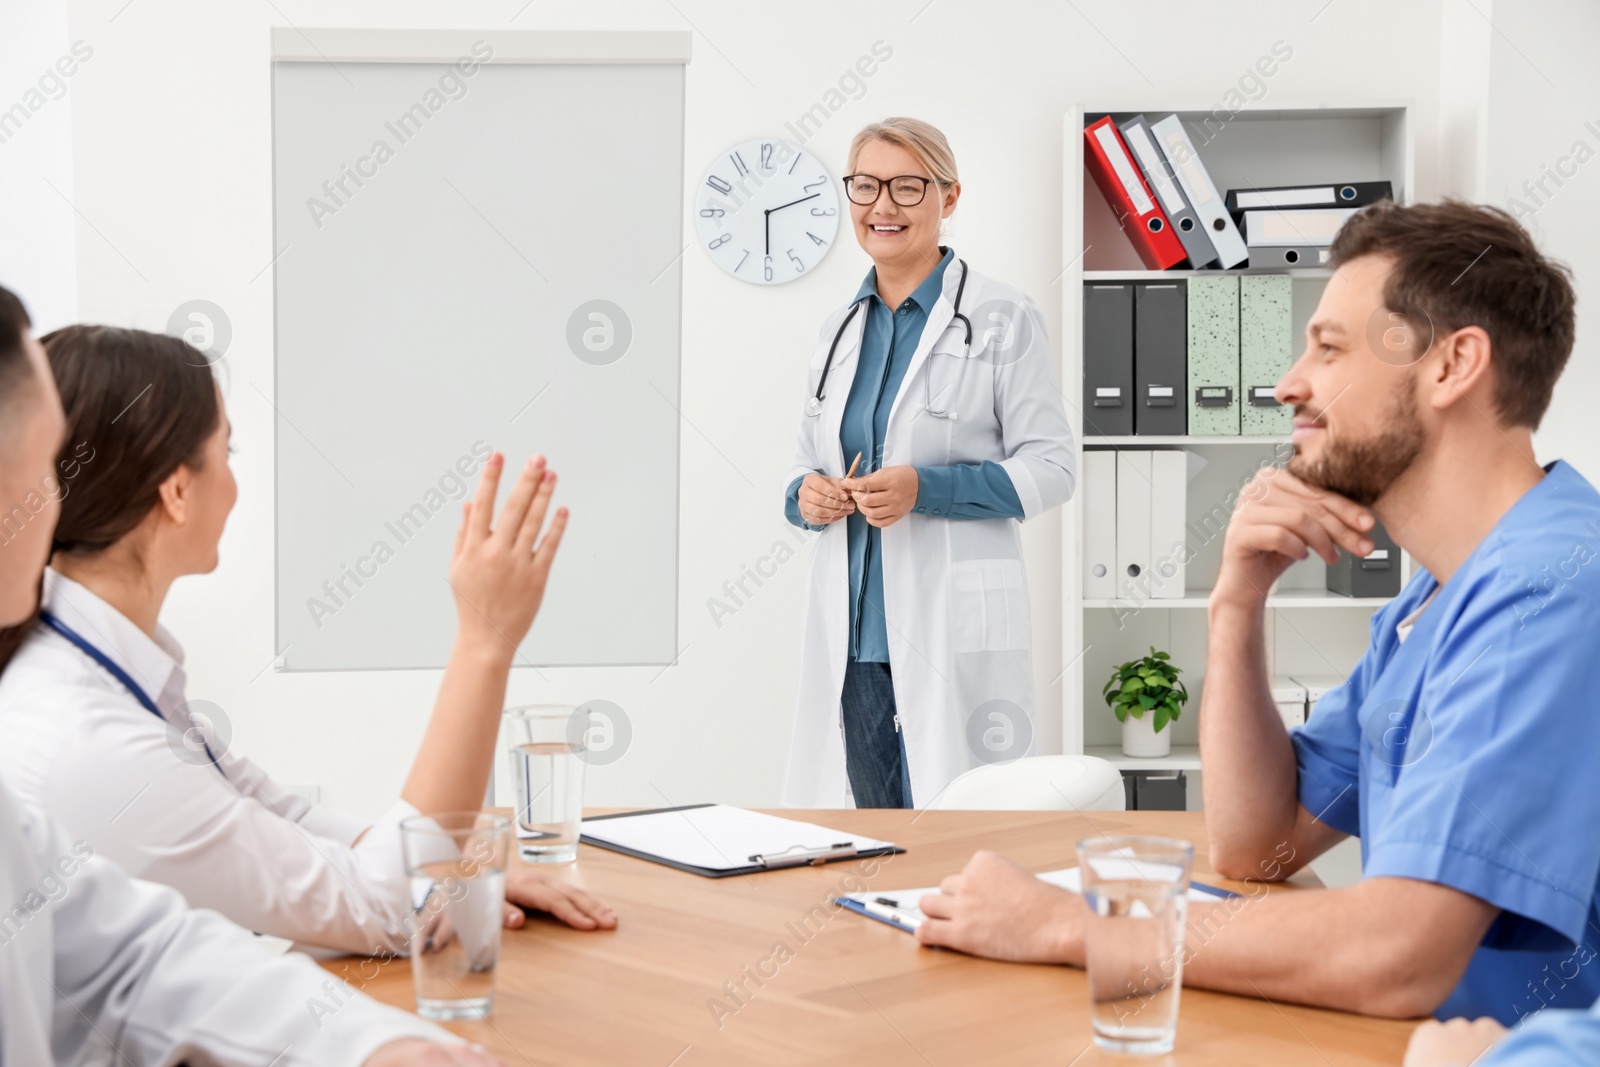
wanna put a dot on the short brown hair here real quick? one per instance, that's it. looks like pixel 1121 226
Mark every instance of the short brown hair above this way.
pixel 14 366
pixel 1459 264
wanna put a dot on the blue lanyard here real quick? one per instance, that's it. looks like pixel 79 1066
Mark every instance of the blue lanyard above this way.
pixel 88 649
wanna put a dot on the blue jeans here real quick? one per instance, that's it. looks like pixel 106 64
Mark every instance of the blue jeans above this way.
pixel 874 751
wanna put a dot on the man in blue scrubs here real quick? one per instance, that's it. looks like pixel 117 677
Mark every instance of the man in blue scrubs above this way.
pixel 1465 748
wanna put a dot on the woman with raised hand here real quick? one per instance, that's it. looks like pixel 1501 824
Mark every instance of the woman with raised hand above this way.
pixel 92 701
pixel 99 967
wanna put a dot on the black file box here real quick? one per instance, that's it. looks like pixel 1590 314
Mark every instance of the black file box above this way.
pixel 1107 360
pixel 1378 574
pixel 1156 790
pixel 1160 359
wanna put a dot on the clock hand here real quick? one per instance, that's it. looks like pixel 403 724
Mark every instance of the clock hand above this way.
pixel 792 203
pixel 768 216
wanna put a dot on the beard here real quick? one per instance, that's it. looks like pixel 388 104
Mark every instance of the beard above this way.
pixel 1362 471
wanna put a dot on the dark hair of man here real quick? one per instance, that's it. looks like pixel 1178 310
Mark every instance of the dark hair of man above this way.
pixel 1457 264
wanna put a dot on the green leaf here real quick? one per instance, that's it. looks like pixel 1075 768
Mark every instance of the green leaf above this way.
pixel 1162 717
pixel 1132 685
pixel 1121 713
pixel 1162 655
pixel 1147 702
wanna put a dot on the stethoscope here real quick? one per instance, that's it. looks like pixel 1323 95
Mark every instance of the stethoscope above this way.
pixel 83 645
pixel 814 404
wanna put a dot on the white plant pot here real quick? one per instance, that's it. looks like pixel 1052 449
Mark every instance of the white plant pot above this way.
pixel 1139 737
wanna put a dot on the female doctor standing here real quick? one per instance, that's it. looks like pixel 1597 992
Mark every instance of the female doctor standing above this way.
pixel 916 663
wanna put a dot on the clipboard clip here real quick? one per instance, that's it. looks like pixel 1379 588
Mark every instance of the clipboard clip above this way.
pixel 799 855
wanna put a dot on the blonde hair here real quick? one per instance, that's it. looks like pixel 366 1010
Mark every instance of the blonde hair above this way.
pixel 921 139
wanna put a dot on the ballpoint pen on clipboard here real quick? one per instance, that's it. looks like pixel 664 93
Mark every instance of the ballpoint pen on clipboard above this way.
pixel 799 855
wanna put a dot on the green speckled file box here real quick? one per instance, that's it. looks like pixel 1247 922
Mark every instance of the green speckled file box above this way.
pixel 1213 356
pixel 1266 349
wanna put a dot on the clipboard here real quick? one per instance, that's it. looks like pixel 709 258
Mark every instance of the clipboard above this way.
pixel 826 846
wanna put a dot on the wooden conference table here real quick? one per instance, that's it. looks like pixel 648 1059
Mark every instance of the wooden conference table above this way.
pixel 853 990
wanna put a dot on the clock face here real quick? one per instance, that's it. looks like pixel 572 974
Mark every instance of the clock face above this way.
pixel 767 211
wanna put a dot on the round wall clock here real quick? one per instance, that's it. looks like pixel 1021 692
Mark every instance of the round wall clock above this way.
pixel 767 211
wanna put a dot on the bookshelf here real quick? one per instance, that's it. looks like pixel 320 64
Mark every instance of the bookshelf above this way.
pixel 1309 630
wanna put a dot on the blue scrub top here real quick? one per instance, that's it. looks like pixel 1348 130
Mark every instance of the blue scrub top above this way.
pixel 957 491
pixel 1551 1037
pixel 1469 755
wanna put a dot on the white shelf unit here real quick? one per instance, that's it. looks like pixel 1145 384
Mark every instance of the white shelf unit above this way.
pixel 1280 599
pixel 1309 630
pixel 1181 758
pixel 1168 275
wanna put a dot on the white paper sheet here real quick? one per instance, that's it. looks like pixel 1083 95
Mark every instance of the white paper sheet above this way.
pixel 718 837
pixel 904 901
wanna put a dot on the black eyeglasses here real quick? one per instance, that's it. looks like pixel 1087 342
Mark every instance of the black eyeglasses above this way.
pixel 907 190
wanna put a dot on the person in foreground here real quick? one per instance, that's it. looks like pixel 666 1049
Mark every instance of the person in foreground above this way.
pixel 1555 1038
pixel 93 703
pixel 98 968
pixel 1429 362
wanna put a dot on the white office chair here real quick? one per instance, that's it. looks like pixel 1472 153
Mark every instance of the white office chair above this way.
pixel 1037 783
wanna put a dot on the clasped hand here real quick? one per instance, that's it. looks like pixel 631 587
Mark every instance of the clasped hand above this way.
pixel 883 497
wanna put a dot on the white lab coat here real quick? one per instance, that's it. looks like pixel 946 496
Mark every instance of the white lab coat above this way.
pixel 96 968
pixel 81 747
pixel 954 591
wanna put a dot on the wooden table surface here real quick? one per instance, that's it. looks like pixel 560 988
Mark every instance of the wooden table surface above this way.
pixel 846 988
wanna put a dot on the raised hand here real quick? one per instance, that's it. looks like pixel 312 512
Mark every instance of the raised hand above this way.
pixel 498 573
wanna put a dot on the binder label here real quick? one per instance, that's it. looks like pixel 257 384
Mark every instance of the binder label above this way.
pixel 1123 166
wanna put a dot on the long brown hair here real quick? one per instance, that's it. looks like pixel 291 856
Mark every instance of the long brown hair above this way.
pixel 139 405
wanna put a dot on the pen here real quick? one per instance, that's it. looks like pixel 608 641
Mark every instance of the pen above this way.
pixel 884 908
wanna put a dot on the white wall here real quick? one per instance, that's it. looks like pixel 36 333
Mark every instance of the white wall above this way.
pixel 1542 134
pixel 172 158
pixel 36 189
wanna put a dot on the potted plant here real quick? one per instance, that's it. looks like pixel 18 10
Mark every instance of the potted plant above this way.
pixel 1145 695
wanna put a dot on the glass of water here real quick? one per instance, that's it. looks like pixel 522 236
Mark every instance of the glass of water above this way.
pixel 546 745
pixel 1135 892
pixel 456 865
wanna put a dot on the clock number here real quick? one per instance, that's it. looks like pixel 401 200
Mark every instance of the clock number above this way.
pixel 818 211
pixel 822 179
pixel 799 267
pixel 796 162
pixel 719 185
pixel 738 164
pixel 766 155
pixel 720 241
pixel 742 258
pixel 712 212
pixel 767 269
pixel 815 239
